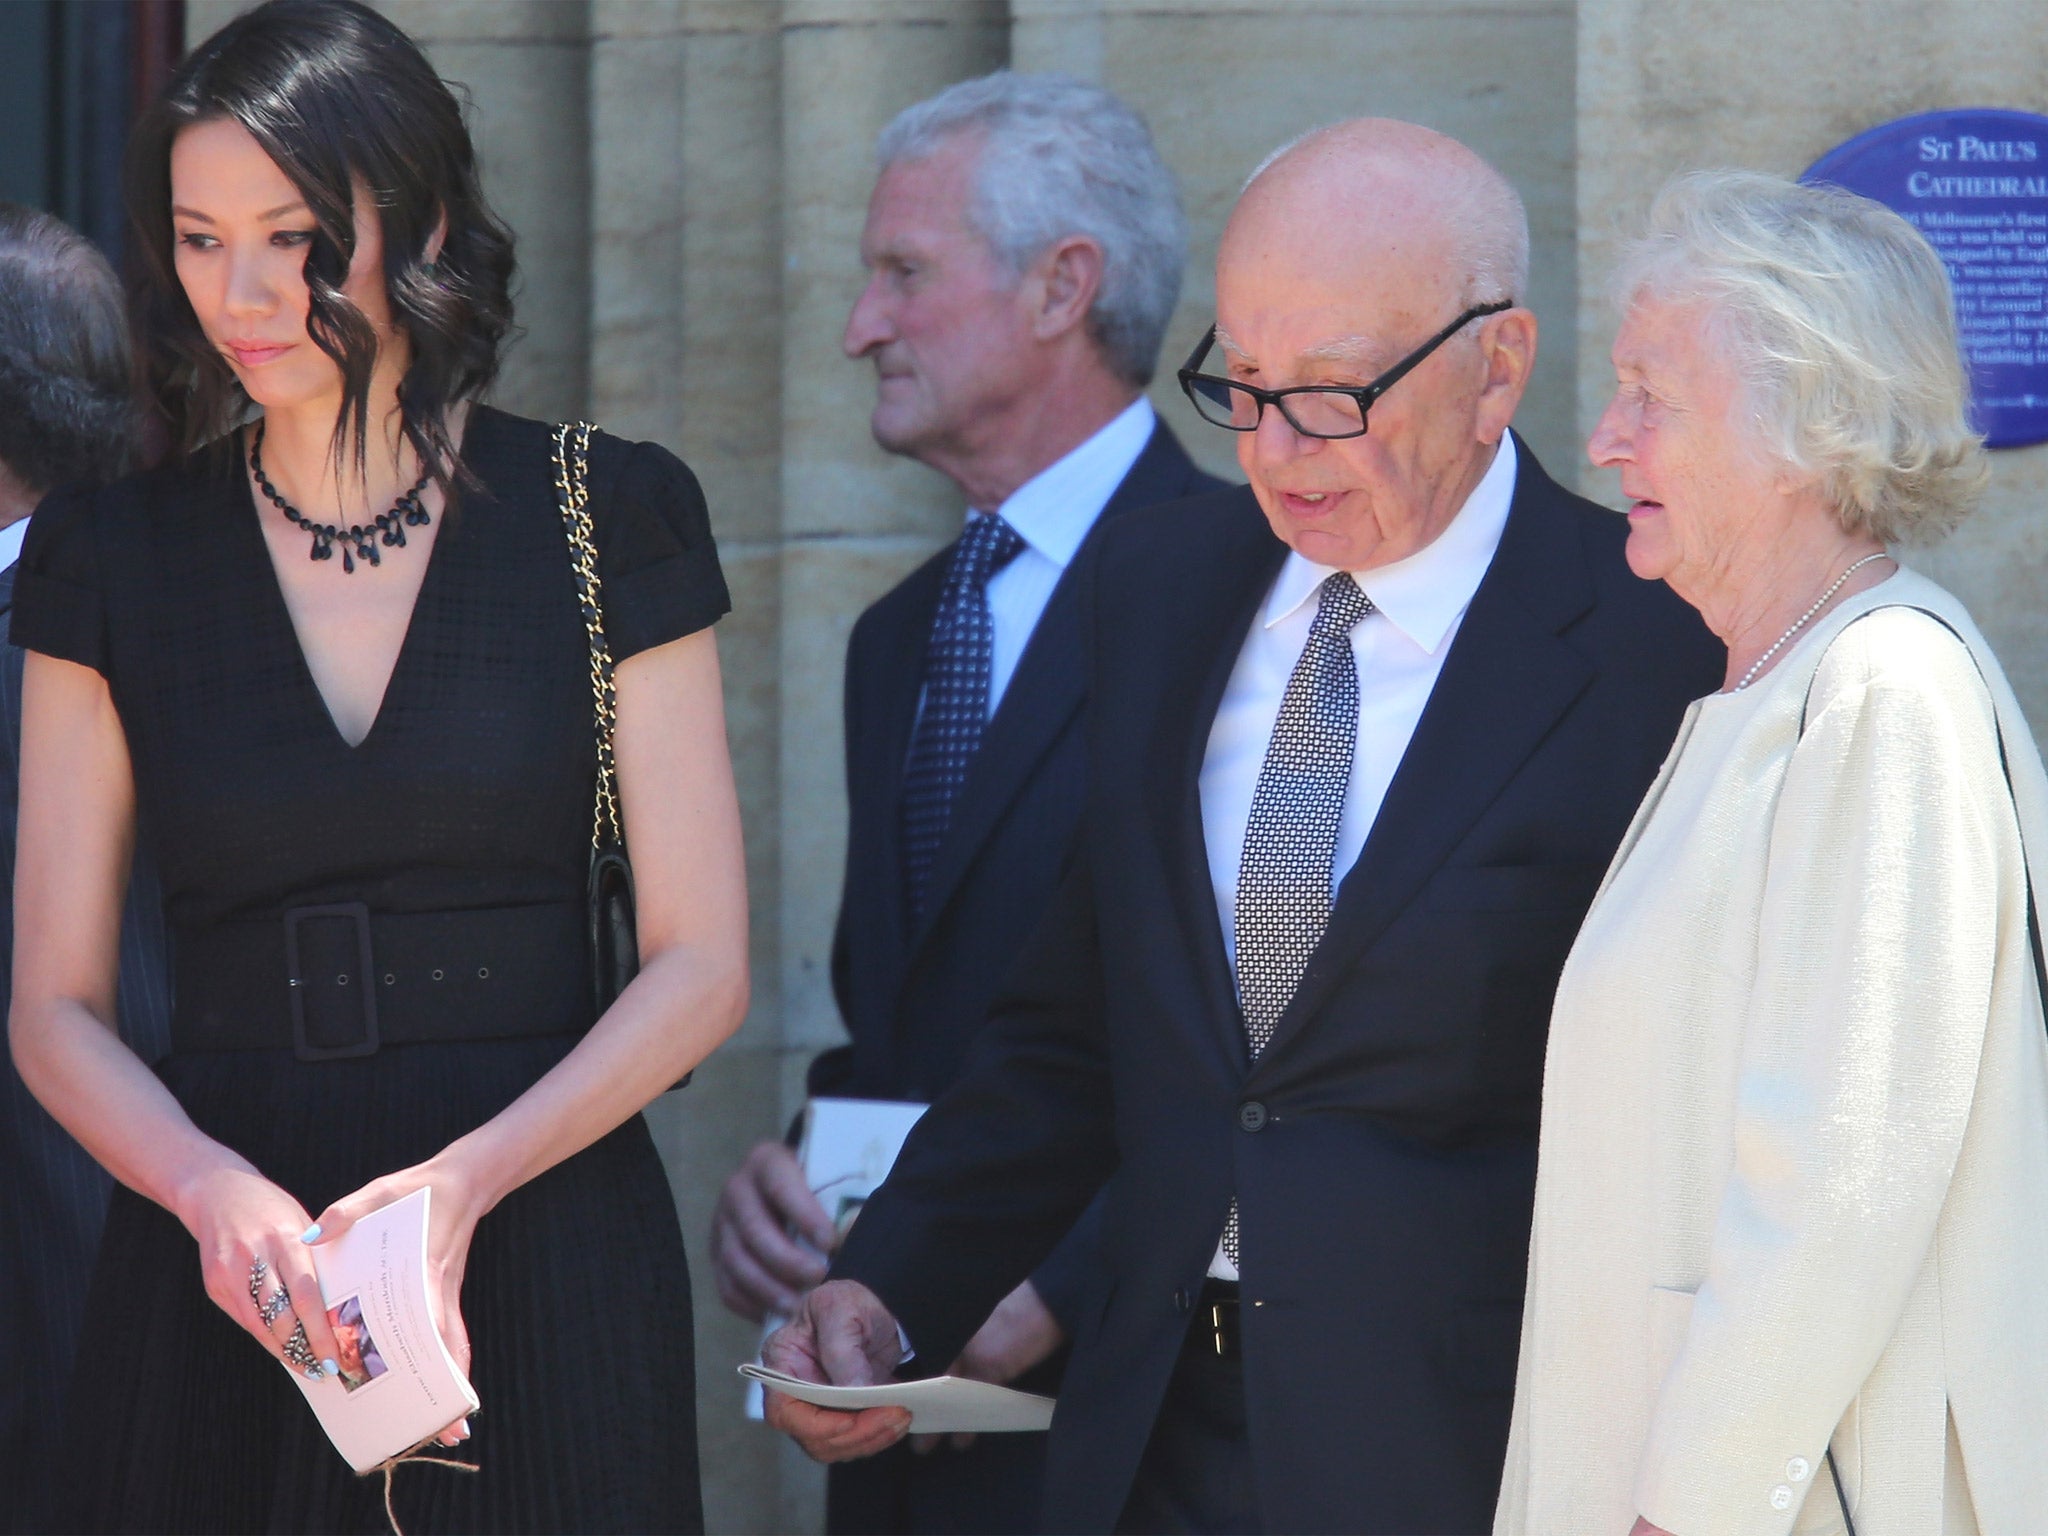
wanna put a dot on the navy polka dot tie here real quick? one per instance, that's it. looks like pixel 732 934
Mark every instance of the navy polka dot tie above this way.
pixel 1285 878
pixel 956 677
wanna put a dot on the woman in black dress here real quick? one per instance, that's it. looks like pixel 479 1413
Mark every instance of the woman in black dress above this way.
pixel 390 745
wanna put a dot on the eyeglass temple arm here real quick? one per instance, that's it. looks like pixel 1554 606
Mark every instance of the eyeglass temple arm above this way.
pixel 1414 360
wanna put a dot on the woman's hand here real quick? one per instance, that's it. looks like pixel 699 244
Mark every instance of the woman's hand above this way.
pixel 452 1215
pixel 257 1270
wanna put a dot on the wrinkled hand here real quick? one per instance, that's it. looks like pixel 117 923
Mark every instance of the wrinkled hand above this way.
pixel 238 1217
pixel 760 1268
pixel 840 1334
pixel 1019 1334
pixel 452 1216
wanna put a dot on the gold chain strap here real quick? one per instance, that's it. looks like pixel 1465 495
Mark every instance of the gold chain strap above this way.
pixel 572 490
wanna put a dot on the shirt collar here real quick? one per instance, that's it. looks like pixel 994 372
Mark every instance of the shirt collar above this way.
pixel 10 541
pixel 1423 595
pixel 1053 510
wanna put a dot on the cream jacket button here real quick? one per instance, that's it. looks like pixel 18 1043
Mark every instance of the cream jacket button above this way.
pixel 1781 1497
pixel 1797 1468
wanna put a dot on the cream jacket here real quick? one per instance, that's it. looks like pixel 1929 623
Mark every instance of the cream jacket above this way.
pixel 1793 1185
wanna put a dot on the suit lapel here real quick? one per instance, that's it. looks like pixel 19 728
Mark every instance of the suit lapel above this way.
pixel 1505 683
pixel 1046 690
pixel 894 680
pixel 1215 630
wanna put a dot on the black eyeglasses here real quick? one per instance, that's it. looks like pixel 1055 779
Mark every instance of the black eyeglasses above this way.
pixel 1313 410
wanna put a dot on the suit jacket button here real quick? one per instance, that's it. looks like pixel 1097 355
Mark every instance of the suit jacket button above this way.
pixel 1181 1301
pixel 1251 1115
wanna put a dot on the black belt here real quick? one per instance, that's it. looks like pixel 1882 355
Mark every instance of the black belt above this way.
pixel 1215 1329
pixel 339 981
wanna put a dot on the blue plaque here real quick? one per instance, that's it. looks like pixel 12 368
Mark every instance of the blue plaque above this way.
pixel 1975 183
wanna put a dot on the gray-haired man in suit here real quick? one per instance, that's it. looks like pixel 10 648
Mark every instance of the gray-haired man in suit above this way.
pixel 65 415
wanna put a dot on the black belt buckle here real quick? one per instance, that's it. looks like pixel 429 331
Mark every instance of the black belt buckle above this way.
pixel 1221 1322
pixel 360 983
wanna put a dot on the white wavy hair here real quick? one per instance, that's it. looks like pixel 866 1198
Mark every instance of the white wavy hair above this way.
pixel 1062 157
pixel 1837 318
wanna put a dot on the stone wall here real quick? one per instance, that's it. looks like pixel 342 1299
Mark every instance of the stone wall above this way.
pixel 688 178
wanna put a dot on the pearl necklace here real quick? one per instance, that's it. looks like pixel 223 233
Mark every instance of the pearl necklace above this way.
pixel 1804 619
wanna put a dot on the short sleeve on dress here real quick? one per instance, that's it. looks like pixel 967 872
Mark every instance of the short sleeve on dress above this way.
pixel 660 565
pixel 59 603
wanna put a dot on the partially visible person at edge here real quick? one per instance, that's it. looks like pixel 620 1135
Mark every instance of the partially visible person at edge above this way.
pixel 1361 736
pixel 1791 1235
pixel 386 746
pixel 1025 246
pixel 67 416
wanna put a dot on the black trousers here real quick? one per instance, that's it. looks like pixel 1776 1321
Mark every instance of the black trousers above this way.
pixel 1196 1475
pixel 990 1489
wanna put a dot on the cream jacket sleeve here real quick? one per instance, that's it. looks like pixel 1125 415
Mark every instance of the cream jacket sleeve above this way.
pixel 1895 880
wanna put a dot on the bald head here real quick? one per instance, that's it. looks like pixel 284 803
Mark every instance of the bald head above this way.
pixel 1373 196
pixel 1347 252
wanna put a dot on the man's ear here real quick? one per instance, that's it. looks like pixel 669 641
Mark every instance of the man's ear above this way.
pixel 1066 277
pixel 1508 344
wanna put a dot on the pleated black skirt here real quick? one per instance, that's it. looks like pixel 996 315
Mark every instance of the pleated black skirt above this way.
pixel 576 1296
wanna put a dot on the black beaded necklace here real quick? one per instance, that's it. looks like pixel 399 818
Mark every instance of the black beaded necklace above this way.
pixel 389 527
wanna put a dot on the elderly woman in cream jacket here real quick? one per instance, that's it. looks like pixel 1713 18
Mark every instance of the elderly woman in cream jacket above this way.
pixel 1789 1269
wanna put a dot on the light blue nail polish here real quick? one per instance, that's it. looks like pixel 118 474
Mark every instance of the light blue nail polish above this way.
pixel 311 1234
pixel 332 1367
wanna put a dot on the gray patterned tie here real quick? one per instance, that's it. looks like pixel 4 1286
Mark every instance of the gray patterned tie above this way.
pixel 1285 876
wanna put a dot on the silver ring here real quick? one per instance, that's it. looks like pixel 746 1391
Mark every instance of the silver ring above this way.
pixel 300 1353
pixel 271 1309
pixel 258 1273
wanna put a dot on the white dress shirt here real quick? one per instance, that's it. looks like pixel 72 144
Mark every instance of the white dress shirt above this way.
pixel 1399 647
pixel 10 541
pixel 1052 512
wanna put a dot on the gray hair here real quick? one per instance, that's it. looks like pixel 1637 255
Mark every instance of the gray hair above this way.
pixel 1484 212
pixel 1837 319
pixel 66 408
pixel 1061 157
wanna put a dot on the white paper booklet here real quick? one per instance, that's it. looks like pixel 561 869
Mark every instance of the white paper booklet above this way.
pixel 846 1149
pixel 942 1405
pixel 398 1386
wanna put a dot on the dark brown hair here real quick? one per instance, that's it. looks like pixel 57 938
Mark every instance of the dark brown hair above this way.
pixel 65 410
pixel 338 97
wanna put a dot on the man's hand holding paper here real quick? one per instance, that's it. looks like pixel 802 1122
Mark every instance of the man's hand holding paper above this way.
pixel 1020 1334
pixel 769 1235
pixel 842 1335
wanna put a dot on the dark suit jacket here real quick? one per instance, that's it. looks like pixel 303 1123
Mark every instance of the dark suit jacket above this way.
pixel 913 1000
pixel 1383 1149
pixel 53 1197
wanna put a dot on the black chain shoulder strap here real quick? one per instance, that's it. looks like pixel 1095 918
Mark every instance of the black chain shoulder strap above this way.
pixel 572 491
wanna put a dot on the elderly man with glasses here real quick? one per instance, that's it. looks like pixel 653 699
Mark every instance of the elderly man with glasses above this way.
pixel 1362 739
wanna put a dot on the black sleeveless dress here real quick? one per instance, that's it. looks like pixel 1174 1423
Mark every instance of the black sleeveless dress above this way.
pixel 472 791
